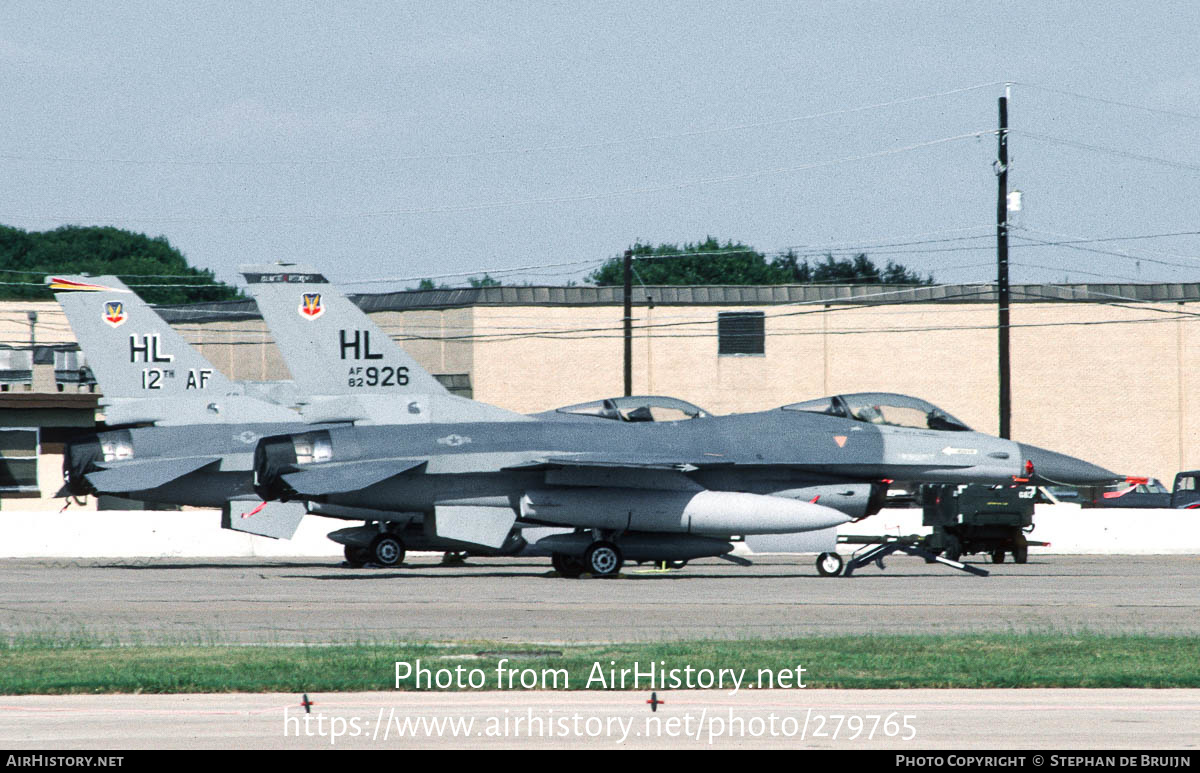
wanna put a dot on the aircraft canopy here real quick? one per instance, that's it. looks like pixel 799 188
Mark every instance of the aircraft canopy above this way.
pixel 883 408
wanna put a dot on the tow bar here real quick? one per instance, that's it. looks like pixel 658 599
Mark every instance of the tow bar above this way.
pixel 885 546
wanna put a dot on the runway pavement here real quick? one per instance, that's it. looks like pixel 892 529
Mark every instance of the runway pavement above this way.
pixel 913 720
pixel 309 600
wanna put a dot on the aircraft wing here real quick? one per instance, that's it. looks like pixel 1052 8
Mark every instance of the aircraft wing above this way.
pixel 333 478
pixel 141 476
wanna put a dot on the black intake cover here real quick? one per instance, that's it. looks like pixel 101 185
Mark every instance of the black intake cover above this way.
pixel 274 457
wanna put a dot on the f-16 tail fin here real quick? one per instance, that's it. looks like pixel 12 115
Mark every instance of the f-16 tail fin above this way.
pixel 347 368
pixel 330 345
pixel 146 370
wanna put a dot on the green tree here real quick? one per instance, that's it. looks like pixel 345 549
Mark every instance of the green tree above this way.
pixel 150 266
pixel 475 281
pixel 483 281
pixel 711 263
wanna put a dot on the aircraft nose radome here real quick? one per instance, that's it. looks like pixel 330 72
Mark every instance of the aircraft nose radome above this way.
pixel 1060 468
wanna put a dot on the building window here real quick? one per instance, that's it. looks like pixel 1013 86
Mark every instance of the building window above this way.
pixel 19 462
pixel 457 384
pixel 740 332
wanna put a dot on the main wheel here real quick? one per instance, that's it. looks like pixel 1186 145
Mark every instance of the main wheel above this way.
pixel 356 556
pixel 953 549
pixel 387 550
pixel 998 556
pixel 829 564
pixel 567 566
pixel 602 559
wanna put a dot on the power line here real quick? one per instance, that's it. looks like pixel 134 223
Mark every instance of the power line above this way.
pixel 691 133
pixel 515 270
pixel 72 271
pixel 1073 271
pixel 1082 240
pixel 566 199
pixel 1118 254
pixel 872 247
pixel 605 332
pixel 1089 98
pixel 1132 303
pixel 1110 151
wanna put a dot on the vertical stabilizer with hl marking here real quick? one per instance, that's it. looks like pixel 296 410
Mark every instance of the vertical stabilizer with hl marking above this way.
pixel 347 368
pixel 145 369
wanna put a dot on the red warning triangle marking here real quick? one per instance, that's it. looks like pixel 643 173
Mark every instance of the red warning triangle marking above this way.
pixel 840 440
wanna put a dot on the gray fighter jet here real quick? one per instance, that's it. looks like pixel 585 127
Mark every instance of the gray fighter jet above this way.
pixel 348 370
pixel 199 450
pixel 649 490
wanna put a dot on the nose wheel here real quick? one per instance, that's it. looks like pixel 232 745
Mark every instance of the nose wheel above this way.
pixel 829 564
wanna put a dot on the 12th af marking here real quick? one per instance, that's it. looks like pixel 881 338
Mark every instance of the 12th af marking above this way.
pixel 146 349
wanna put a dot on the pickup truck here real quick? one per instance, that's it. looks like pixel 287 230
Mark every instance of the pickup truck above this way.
pixel 1150 493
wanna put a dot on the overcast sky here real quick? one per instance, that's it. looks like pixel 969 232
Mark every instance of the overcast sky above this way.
pixel 394 139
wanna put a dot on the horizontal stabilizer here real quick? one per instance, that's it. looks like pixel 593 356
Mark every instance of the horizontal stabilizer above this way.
pixel 277 520
pixel 473 525
pixel 142 476
pixel 348 476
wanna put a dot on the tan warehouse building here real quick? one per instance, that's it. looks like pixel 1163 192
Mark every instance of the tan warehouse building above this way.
pixel 1105 372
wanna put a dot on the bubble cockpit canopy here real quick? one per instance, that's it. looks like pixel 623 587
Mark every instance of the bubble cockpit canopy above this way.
pixel 883 408
pixel 637 408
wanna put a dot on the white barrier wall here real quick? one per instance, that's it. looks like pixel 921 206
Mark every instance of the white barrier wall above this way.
pixel 198 533
pixel 151 534
pixel 1071 529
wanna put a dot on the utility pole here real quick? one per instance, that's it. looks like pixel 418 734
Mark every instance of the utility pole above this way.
pixel 628 322
pixel 1002 293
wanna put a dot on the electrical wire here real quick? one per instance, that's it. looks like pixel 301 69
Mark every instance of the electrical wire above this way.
pixel 378 160
pixel 1103 101
pixel 565 199
pixel 1081 240
pixel 1113 253
pixel 1110 151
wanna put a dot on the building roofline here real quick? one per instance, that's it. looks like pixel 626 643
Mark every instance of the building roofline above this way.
pixel 49 400
pixel 714 295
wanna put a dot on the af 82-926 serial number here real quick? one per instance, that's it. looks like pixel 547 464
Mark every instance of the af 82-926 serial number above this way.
pixel 384 376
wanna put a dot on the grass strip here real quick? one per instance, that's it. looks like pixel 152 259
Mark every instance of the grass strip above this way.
pixel 81 665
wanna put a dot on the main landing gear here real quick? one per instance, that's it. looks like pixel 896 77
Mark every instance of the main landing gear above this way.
pixel 601 559
pixel 385 550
